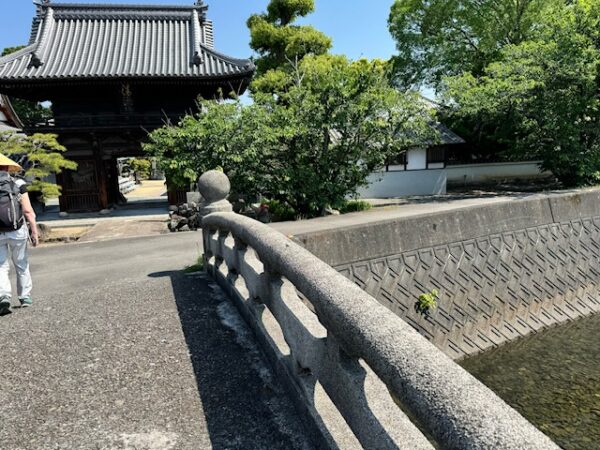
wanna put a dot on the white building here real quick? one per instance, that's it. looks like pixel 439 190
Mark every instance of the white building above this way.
pixel 418 171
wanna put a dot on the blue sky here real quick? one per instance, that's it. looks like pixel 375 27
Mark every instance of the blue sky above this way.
pixel 358 28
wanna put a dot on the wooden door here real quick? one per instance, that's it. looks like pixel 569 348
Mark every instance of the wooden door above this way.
pixel 80 188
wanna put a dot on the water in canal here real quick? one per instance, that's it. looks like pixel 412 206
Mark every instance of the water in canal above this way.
pixel 553 379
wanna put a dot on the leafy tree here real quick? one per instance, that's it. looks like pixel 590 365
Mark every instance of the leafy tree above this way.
pixel 308 147
pixel 226 135
pixel 540 98
pixel 437 38
pixel 9 50
pixel 337 123
pixel 28 111
pixel 40 155
pixel 141 167
pixel 279 43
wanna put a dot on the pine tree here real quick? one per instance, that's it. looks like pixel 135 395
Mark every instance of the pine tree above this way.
pixel 40 155
pixel 280 44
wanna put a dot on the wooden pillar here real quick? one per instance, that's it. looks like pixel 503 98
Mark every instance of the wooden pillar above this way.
pixel 103 199
pixel 112 173
pixel 62 203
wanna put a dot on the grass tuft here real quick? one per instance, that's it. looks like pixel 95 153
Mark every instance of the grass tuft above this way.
pixel 198 267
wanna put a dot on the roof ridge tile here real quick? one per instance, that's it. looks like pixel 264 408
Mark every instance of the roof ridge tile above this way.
pixel 101 6
pixel 15 55
pixel 137 55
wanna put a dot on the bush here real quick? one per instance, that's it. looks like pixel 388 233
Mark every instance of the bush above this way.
pixel 354 206
pixel 279 211
pixel 427 302
pixel 311 146
pixel 141 167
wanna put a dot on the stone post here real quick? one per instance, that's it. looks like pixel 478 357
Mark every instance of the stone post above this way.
pixel 214 187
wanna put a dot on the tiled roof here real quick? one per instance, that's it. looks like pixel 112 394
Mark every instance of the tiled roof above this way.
pixel 74 41
pixel 9 121
pixel 447 136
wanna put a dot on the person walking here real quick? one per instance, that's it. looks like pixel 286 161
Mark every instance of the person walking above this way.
pixel 16 218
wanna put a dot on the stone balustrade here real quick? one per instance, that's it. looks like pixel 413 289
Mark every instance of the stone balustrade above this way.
pixel 361 375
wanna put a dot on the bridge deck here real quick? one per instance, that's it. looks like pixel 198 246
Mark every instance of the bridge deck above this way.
pixel 123 351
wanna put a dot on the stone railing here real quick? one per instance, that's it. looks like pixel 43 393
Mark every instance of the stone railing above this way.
pixel 361 375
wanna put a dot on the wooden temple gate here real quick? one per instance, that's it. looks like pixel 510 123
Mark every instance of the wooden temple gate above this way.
pixel 113 73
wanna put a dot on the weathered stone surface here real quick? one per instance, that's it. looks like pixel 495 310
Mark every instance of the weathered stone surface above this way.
pixel 374 240
pixel 193 197
pixel 455 408
pixel 502 271
pixel 214 186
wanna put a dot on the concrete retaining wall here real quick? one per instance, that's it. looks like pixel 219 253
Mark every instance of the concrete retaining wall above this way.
pixel 405 182
pixel 466 174
pixel 503 270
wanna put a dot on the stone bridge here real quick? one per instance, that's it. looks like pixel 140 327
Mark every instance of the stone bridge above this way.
pixel 277 348
pixel 361 376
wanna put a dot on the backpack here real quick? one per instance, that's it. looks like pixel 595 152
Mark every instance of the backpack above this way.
pixel 11 213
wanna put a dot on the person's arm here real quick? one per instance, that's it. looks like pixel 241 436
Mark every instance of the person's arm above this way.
pixel 29 214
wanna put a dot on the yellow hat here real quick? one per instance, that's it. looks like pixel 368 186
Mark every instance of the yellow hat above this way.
pixel 12 166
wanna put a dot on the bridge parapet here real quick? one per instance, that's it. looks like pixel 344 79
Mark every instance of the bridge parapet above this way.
pixel 357 370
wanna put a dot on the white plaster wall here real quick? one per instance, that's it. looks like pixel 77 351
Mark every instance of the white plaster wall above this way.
pixel 395 168
pixel 416 159
pixel 481 173
pixel 399 184
pixel 436 165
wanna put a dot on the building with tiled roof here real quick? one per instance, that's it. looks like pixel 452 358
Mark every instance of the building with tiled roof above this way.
pixel 113 72
pixel 89 41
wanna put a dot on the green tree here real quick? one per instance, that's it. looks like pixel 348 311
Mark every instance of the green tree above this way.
pixel 29 112
pixel 9 50
pixel 336 124
pixel 308 147
pixel 437 38
pixel 225 135
pixel 540 97
pixel 40 155
pixel 141 167
pixel 279 43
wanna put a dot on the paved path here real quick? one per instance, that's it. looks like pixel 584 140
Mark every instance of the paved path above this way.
pixel 149 188
pixel 123 351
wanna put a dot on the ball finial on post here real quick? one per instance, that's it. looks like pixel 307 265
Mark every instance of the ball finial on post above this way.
pixel 214 187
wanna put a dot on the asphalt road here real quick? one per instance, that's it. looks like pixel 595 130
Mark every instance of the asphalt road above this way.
pixel 88 264
pixel 121 350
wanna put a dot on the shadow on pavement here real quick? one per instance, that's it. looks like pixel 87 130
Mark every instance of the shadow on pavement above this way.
pixel 244 406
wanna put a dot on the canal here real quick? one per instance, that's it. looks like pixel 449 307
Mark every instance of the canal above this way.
pixel 552 378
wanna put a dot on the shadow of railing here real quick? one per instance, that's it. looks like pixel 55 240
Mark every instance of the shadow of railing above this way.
pixel 243 407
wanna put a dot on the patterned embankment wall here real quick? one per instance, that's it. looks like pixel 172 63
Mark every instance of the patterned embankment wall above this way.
pixel 503 270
